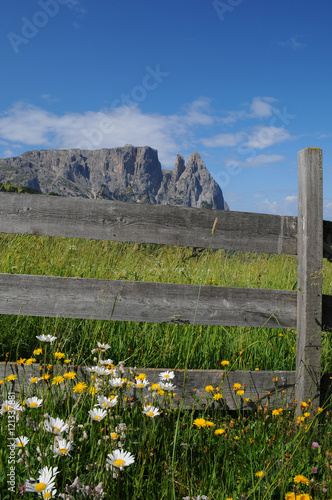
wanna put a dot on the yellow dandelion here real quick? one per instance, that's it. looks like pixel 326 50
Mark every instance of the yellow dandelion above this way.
pixel 141 376
pixel 291 496
pixel 218 432
pixel 30 361
pixel 247 400
pixel 46 377
pixel 199 422
pixel 236 438
pixel 237 386
pixel 69 375
pixel 59 355
pixel 80 387
pixel 38 351
pixel 259 474
pixel 209 388
pixel 217 396
pixel 209 424
pixel 2 382
pixel 21 361
pixel 10 378
pixel 240 392
pixel 306 414
pixel 224 362
pixel 57 380
pixel 301 479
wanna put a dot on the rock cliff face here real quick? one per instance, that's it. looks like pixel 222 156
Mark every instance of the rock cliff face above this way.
pixel 126 173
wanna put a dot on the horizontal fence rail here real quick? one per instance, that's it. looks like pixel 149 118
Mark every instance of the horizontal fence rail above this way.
pixel 149 302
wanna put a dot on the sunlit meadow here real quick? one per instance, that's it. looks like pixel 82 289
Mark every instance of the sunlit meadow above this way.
pixel 101 436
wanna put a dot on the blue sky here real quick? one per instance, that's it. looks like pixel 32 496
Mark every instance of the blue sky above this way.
pixel 245 83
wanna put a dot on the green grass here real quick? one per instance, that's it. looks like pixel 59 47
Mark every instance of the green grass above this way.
pixel 174 456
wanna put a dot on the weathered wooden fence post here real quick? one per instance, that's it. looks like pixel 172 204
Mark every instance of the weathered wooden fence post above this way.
pixel 310 262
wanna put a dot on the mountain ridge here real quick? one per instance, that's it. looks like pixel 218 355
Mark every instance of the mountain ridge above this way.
pixel 127 173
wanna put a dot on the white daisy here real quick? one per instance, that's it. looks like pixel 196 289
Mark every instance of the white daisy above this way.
pixel 45 484
pixel 117 382
pixel 106 361
pixel 46 338
pixel 99 370
pixel 97 414
pixel 151 411
pixel 61 448
pixel 140 384
pixel 120 459
pixel 165 376
pixel 10 406
pixel 103 346
pixel 104 402
pixel 21 441
pixel 167 386
pixel 55 425
pixel 33 402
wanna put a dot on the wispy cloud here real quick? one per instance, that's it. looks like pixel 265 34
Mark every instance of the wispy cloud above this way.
pixel 293 43
pixel 264 137
pixel 261 160
pixel 224 140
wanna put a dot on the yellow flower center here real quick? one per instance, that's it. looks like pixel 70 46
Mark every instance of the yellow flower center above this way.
pixel 150 413
pixel 40 487
pixel 119 462
pixel 63 451
pixel 20 444
pixel 139 386
pixel 33 405
pixel 8 408
pixel 98 417
pixel 166 376
pixel 55 429
pixel 105 404
pixel 114 435
pixel 47 495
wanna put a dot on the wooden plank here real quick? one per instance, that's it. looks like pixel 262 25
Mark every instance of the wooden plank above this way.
pixel 260 387
pixel 310 263
pixel 134 222
pixel 151 302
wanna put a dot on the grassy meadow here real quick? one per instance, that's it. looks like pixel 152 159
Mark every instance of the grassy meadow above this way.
pixel 172 453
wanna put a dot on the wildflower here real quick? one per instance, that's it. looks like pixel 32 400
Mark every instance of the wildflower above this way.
pixel 224 363
pixel 217 396
pixel 166 375
pixel 151 411
pixel 236 438
pixel 62 448
pixel 199 422
pixel 301 479
pixel 209 424
pixel 34 380
pixel 275 380
pixel 237 386
pixel 218 432
pixel 240 392
pixel 155 387
pixel 117 382
pixel 99 370
pixel 106 402
pixel 315 445
pixel 10 378
pixel 38 351
pixel 21 441
pixel 55 426
pixel 57 380
pixel 45 483
pixel 141 384
pixel 67 361
pixel 103 347
pixel 69 375
pixel 45 377
pixel 110 362
pixel 304 405
pixel 10 406
pixel 97 414
pixel 114 435
pixel 2 382
pixel 120 459
pixel 306 414
pixel 314 470
pixel 167 386
pixel 80 387
pixel 291 496
pixel 30 361
pixel 260 473
pixel 46 338
pixel 33 402
pixel 277 412
pixel 21 361
pixel 209 388
pixel 93 390
pixel 59 355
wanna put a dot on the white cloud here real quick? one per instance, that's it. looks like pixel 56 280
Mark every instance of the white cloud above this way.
pixel 255 161
pixel 261 107
pixel 264 137
pixel 224 140
pixel 8 153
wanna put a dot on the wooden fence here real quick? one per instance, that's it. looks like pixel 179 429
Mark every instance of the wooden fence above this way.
pixel 305 309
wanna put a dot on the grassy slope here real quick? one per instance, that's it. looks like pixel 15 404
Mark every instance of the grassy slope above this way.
pixel 154 345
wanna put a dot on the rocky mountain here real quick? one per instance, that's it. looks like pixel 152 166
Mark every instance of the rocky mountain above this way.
pixel 126 173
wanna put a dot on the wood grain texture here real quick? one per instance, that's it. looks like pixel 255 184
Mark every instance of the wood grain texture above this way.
pixel 134 222
pixel 149 302
pixel 310 263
